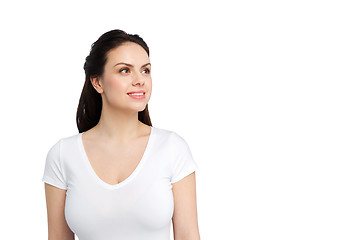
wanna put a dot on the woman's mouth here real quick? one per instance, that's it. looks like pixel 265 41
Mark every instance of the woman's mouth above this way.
pixel 137 95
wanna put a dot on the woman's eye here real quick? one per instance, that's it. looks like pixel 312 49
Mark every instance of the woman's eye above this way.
pixel 126 69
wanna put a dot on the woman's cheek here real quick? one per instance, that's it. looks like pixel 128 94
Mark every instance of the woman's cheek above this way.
pixel 117 89
pixel 117 86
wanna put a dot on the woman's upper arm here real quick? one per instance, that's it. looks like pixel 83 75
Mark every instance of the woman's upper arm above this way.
pixel 55 204
pixel 185 220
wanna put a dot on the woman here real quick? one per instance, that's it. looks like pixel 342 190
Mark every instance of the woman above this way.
pixel 120 177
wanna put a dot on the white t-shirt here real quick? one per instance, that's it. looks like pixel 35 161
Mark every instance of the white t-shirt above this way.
pixel 138 208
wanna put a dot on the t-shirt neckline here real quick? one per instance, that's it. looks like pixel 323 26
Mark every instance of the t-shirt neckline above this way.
pixel 129 178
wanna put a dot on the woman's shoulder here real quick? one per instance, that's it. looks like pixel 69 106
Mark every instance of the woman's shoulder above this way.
pixel 171 135
pixel 61 142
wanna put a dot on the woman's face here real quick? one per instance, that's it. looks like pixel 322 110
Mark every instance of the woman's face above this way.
pixel 127 69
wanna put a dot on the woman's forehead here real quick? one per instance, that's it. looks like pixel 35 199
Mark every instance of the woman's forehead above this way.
pixel 130 53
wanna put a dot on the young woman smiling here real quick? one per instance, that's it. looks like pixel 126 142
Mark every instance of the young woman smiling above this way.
pixel 120 177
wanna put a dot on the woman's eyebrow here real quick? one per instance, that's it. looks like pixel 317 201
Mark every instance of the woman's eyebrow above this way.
pixel 127 64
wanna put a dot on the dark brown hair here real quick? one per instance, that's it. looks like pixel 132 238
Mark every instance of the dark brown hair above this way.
pixel 90 103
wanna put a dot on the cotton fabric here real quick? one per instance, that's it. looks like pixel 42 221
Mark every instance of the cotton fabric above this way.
pixel 138 208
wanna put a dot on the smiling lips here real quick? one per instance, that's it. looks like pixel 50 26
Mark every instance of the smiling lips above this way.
pixel 137 94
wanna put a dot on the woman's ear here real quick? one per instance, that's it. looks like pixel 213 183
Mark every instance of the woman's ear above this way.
pixel 96 82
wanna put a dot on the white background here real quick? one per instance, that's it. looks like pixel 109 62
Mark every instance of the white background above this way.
pixel 266 93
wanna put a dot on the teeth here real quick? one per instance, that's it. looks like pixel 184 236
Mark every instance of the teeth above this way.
pixel 136 94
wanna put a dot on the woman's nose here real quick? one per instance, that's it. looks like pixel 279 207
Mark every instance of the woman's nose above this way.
pixel 138 78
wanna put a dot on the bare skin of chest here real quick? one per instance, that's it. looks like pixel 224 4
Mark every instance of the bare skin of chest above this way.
pixel 113 163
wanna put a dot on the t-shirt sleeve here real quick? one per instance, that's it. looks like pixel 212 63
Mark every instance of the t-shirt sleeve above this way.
pixel 183 163
pixel 53 172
